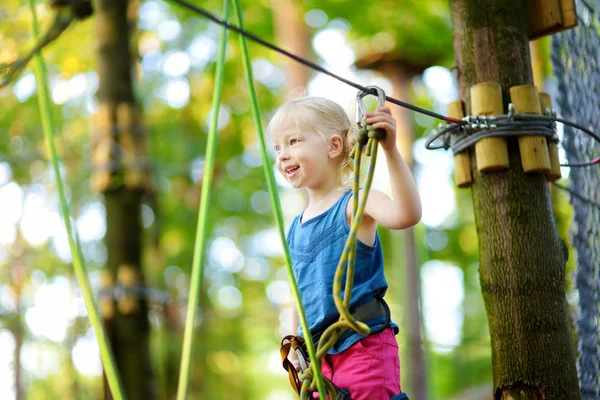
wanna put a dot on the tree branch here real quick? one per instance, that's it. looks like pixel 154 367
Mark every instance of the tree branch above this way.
pixel 64 15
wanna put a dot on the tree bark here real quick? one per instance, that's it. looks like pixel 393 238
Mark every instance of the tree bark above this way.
pixel 128 329
pixel 522 259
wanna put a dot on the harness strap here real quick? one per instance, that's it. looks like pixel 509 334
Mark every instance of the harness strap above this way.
pixel 296 343
pixel 287 344
pixel 374 308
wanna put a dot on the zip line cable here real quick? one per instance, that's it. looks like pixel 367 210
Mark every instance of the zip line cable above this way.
pixel 310 64
pixel 577 195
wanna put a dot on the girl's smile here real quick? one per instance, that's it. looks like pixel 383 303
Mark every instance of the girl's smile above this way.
pixel 292 171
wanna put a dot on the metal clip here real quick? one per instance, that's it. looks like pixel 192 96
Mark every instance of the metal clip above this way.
pixel 361 110
pixel 511 111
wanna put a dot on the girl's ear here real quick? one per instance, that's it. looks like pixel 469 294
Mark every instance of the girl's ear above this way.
pixel 336 146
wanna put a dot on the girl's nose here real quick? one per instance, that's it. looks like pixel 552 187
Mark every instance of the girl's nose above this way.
pixel 283 154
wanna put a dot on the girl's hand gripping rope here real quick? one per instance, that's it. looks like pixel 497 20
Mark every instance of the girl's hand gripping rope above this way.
pixel 382 119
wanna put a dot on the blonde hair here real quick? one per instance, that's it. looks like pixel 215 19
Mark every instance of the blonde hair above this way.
pixel 321 116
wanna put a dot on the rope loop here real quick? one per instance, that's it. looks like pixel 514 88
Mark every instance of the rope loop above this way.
pixel 377 134
pixel 363 136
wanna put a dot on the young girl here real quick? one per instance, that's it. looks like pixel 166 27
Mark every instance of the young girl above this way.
pixel 312 138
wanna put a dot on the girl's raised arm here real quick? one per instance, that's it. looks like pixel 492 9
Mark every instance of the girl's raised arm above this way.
pixel 403 210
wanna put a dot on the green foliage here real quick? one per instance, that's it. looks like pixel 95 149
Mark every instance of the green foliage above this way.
pixel 234 346
pixel 418 32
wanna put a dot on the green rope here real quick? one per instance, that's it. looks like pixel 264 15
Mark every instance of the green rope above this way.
pixel 316 367
pixel 201 230
pixel 49 127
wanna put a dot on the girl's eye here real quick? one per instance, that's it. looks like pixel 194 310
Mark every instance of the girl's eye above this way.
pixel 293 141
pixel 277 148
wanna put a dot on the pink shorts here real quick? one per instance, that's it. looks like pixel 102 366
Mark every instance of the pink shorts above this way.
pixel 369 369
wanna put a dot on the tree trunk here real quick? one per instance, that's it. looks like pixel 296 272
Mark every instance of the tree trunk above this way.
pixel 292 34
pixel 522 259
pixel 401 76
pixel 128 327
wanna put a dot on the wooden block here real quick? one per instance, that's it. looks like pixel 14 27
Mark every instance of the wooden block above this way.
pixel 125 117
pixel 533 149
pixel 462 166
pixel 491 153
pixel 127 275
pixel 101 121
pixel 456 109
pixel 107 308
pixel 554 174
pixel 101 158
pixel 545 102
pixel 544 17
pixel 102 152
pixel 569 14
pixel 526 99
pixel 106 304
pixel 534 154
pixel 101 182
pixel 134 179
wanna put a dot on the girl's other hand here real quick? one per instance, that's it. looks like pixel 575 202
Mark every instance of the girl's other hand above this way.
pixel 382 119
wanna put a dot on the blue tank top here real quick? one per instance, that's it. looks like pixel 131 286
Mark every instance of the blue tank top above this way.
pixel 316 247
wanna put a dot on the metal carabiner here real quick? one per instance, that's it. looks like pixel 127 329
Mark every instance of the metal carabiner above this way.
pixel 361 110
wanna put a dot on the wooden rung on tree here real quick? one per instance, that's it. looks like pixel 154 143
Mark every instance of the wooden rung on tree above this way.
pixel 132 146
pixel 127 277
pixel 119 149
pixel 534 148
pixel 462 167
pixel 103 146
pixel 554 174
pixel 546 17
pixel 106 304
pixel 491 153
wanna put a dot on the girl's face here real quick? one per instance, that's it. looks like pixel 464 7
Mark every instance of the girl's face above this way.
pixel 302 157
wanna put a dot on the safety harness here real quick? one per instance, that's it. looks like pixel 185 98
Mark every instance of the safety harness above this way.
pixel 374 308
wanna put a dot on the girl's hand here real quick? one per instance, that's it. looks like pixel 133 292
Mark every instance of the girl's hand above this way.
pixel 296 365
pixel 382 119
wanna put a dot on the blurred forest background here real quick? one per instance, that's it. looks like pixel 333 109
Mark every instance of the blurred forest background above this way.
pixel 47 348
